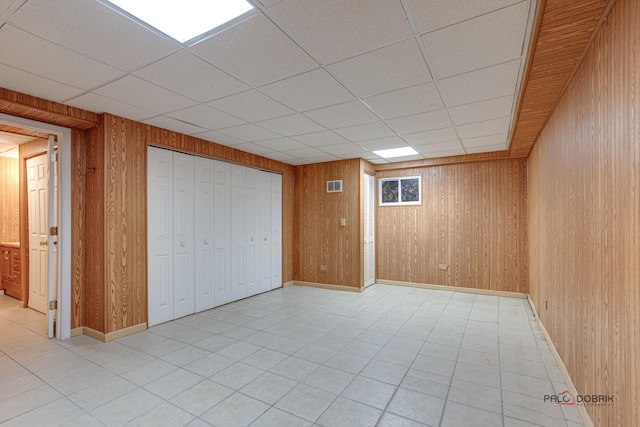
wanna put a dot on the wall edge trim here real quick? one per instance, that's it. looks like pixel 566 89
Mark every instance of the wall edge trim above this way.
pixel 326 286
pixel 452 288
pixel 582 410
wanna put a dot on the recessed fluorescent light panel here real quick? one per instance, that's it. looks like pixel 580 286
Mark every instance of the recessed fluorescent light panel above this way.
pixel 184 20
pixel 395 152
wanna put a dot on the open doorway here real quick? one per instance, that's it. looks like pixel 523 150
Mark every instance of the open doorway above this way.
pixel 48 248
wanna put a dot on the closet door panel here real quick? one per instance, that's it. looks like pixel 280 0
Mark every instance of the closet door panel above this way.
pixel 204 234
pixel 222 200
pixel 183 235
pixel 160 235
pixel 264 221
pixel 253 229
pixel 238 232
pixel 276 231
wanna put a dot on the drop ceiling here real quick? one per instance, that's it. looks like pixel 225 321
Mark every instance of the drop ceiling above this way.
pixel 300 81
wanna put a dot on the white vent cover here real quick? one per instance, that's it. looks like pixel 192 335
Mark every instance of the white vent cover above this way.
pixel 334 186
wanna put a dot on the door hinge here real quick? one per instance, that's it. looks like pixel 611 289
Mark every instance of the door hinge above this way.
pixel 53 305
pixel 54 157
pixel 53 231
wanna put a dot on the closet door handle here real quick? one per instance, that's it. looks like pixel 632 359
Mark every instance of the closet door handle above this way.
pixel 183 244
pixel 206 241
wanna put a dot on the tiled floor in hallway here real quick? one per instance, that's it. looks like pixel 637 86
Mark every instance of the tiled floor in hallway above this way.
pixel 391 356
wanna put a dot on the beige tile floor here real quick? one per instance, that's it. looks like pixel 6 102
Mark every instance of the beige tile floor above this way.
pixel 390 356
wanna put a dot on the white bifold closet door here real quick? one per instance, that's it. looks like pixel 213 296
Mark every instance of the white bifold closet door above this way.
pixel 160 235
pixel 214 233
pixel 238 232
pixel 204 234
pixel 276 231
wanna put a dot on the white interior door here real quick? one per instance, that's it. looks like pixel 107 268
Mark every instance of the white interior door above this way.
pixel 369 230
pixel 183 235
pixel 204 234
pixel 160 234
pixel 238 232
pixel 276 231
pixel 38 199
pixel 253 226
pixel 222 267
pixel 264 216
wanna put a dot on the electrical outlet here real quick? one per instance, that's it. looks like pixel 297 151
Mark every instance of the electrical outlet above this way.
pixel 443 267
pixel 323 267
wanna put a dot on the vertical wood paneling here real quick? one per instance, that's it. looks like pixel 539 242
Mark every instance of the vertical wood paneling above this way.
pixel 320 240
pixel 78 188
pixel 94 238
pixel 588 158
pixel 472 217
pixel 9 200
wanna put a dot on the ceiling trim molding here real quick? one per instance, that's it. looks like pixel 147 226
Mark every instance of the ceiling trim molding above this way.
pixel 563 36
pixel 30 107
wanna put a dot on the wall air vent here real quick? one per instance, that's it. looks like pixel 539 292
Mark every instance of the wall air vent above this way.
pixel 334 186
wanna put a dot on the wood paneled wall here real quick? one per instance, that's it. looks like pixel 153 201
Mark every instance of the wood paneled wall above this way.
pixel 472 218
pixel 319 238
pixel 9 200
pixel 78 224
pixel 587 166
pixel 115 232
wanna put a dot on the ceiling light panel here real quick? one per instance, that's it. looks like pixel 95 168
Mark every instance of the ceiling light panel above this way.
pixel 186 19
pixel 396 152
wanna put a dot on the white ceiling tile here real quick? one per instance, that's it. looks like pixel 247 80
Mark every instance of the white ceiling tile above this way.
pixel 255 51
pixel 383 143
pixel 95 30
pixel 378 161
pixel 319 139
pixel 192 77
pixel 220 138
pixel 169 123
pixel 269 3
pixel 249 133
pixel 30 84
pixel 25 51
pixel 332 30
pixel 405 102
pixel 282 157
pixel 306 153
pixel 368 131
pixel 488 127
pixel 142 94
pixel 482 110
pixel 487 149
pixel 100 104
pixel 252 106
pixel 421 122
pixel 206 117
pixel 484 141
pixel 438 147
pixel 250 147
pixel 281 144
pixel 296 124
pixel 449 153
pixel 341 149
pixel 343 115
pixel 433 14
pixel 308 91
pixel 389 68
pixel 432 136
pixel 492 82
pixel 478 43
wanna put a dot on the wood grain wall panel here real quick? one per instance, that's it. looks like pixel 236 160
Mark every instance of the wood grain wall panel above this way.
pixel 26 151
pixel 93 307
pixel 9 200
pixel 472 217
pixel 588 245
pixel 125 223
pixel 30 107
pixel 533 224
pixel 320 240
pixel 78 188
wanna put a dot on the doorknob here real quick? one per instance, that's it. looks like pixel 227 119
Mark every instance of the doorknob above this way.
pixel 206 241
pixel 43 243
pixel 183 244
